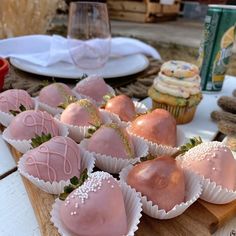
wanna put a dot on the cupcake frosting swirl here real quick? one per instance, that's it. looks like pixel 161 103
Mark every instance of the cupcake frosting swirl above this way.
pixel 178 87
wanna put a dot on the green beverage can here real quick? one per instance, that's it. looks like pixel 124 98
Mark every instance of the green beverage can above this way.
pixel 216 46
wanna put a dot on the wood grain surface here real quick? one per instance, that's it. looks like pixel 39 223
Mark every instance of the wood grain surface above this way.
pixel 201 218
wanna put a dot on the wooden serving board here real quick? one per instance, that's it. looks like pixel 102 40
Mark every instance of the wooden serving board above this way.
pixel 201 218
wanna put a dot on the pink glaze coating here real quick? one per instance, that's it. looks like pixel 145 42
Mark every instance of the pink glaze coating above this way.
pixel 96 208
pixel 122 106
pixel 112 140
pixel 55 94
pixel 55 160
pixel 30 123
pixel 81 113
pixel 12 99
pixel 94 87
pixel 214 161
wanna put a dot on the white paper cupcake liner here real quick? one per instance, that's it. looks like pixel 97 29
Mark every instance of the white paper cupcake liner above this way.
pixel 158 149
pixel 78 133
pixel 113 164
pixel 24 145
pixel 6 118
pixel 52 110
pixel 87 161
pixel 140 108
pixel 216 194
pixel 192 193
pixel 133 209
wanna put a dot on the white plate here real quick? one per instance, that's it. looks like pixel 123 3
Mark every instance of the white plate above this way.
pixel 115 67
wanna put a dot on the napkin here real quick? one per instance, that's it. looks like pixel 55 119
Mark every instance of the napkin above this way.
pixel 44 50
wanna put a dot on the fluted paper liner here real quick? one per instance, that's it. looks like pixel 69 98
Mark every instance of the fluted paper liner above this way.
pixel 192 192
pixel 133 208
pixel 78 133
pixel 216 194
pixel 160 149
pixel 87 161
pixel 114 164
pixel 6 118
pixel 24 145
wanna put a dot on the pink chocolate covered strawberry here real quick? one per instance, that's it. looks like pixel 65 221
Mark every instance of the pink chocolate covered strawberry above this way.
pixel 161 180
pixel 55 94
pixel 111 139
pixel 158 127
pixel 28 124
pixel 55 160
pixel 12 100
pixel 81 113
pixel 95 208
pixel 94 87
pixel 122 106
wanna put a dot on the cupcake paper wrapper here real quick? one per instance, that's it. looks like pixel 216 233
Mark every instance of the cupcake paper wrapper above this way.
pixel 158 149
pixel 140 108
pixel 192 193
pixel 78 133
pixel 52 110
pixel 6 118
pixel 87 161
pixel 113 164
pixel 24 145
pixel 216 194
pixel 133 209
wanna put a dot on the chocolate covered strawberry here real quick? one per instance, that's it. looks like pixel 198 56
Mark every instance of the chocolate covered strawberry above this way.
pixel 122 106
pixel 113 140
pixel 81 113
pixel 95 208
pixel 161 180
pixel 158 127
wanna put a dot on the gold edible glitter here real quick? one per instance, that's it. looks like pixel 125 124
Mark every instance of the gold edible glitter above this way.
pixel 124 137
pixel 93 113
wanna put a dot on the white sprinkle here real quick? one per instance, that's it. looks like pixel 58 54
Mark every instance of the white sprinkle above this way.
pixel 72 213
pixel 213 168
pixel 112 186
pixel 108 181
pixel 208 159
pixel 76 205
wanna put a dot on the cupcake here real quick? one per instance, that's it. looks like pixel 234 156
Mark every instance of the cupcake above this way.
pixel 93 87
pixel 158 127
pixel 177 89
pixel 101 206
pixel 12 102
pixel 215 163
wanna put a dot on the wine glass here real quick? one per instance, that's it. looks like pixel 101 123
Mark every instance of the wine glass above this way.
pixel 89 35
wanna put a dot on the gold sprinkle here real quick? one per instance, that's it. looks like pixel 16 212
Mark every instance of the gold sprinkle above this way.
pixel 90 108
pixel 124 137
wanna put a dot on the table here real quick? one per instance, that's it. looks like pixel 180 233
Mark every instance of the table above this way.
pixel 16 214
